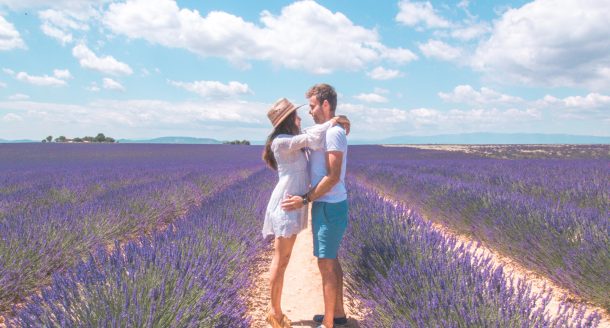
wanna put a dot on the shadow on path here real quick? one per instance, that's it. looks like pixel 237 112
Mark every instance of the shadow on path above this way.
pixel 351 323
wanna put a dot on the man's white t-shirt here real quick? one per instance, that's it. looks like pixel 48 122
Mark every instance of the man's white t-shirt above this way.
pixel 336 140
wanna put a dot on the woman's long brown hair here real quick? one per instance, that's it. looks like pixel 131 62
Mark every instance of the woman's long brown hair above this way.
pixel 288 126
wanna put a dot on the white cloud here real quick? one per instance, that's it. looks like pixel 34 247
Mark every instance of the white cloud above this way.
pixel 44 80
pixel 380 73
pixel 111 84
pixel 10 117
pixel 592 103
pixel 221 34
pixel 550 43
pixel 9 37
pixel 64 4
pixel 416 13
pixel 440 50
pixel 385 122
pixel 63 74
pixel 592 107
pixel 468 95
pixel 592 100
pixel 398 55
pixel 219 119
pixel 56 33
pixel 371 97
pixel 58 24
pixel 487 119
pixel 63 19
pixel 147 113
pixel 2 84
pixel 214 89
pixel 107 64
pixel 8 71
pixel 93 87
pixel 463 4
pixel 18 96
pixel 471 31
pixel 231 119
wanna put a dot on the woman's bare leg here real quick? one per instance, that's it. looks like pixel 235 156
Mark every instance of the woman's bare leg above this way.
pixel 281 256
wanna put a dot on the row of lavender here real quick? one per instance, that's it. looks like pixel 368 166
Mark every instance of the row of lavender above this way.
pixel 60 202
pixel 549 214
pixel 193 274
pixel 406 274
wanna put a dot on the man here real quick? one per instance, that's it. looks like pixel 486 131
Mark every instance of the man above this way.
pixel 329 211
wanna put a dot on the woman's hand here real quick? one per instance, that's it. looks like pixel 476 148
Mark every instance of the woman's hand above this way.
pixel 291 203
pixel 343 121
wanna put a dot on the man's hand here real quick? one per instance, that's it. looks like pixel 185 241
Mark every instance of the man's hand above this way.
pixel 291 203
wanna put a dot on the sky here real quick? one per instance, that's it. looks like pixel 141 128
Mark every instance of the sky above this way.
pixel 141 69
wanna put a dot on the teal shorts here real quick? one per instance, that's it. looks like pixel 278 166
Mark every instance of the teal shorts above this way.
pixel 328 223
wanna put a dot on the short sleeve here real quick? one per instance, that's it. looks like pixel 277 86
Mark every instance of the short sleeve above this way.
pixel 336 140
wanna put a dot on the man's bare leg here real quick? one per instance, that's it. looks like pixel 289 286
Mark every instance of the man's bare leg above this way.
pixel 339 307
pixel 332 284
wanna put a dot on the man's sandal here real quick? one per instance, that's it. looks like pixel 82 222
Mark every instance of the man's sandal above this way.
pixel 342 321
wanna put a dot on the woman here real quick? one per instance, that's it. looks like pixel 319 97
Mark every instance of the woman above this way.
pixel 285 152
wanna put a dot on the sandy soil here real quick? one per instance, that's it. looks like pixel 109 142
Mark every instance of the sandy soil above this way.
pixel 302 294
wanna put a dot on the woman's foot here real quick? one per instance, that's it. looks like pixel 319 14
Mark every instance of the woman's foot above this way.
pixel 286 322
pixel 274 322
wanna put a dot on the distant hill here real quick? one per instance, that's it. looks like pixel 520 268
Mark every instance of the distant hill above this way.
pixel 174 140
pixel 17 141
pixel 458 139
pixel 490 138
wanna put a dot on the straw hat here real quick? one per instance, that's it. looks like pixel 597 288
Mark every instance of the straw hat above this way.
pixel 280 110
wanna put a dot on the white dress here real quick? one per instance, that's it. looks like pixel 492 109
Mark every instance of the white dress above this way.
pixel 293 174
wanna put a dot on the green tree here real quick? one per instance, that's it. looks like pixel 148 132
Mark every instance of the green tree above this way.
pixel 49 138
pixel 60 139
pixel 100 137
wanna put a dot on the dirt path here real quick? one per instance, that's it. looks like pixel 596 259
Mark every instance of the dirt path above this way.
pixel 302 294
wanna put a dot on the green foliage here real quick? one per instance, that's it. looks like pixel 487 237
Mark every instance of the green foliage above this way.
pixel 237 142
pixel 99 138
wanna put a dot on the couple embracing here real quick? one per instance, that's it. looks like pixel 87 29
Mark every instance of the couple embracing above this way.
pixel 311 168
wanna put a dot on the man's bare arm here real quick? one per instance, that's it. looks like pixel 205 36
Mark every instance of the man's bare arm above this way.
pixel 334 161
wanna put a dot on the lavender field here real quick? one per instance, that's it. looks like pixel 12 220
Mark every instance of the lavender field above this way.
pixel 550 214
pixel 166 235
pixel 74 210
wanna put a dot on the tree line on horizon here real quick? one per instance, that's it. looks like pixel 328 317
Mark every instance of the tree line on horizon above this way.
pixel 237 142
pixel 87 139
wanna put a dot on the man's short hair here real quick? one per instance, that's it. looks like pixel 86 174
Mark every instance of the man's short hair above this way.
pixel 323 92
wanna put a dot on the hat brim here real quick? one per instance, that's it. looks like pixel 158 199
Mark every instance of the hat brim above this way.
pixel 283 117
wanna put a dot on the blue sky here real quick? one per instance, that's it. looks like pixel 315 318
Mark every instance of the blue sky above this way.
pixel 152 68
